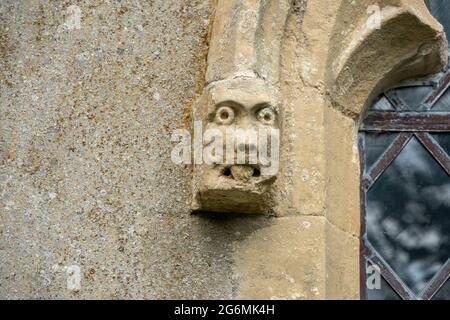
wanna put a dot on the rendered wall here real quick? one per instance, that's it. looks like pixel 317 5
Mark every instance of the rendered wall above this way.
pixel 90 93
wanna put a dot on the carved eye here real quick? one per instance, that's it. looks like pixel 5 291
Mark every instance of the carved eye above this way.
pixel 267 116
pixel 225 115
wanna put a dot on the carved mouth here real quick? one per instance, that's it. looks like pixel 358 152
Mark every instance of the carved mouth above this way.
pixel 242 172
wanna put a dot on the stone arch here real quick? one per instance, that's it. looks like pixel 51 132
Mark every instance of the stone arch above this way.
pixel 363 61
pixel 326 74
pixel 388 42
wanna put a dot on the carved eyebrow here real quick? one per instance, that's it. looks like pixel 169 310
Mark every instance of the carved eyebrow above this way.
pixel 263 105
pixel 229 103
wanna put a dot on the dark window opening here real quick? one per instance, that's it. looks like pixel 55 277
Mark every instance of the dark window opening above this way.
pixel 405 143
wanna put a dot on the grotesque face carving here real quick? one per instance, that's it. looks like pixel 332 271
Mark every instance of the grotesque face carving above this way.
pixel 240 120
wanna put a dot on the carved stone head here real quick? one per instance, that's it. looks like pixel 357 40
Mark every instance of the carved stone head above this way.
pixel 240 122
pixel 240 107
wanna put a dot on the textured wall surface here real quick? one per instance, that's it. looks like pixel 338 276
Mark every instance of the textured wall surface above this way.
pixel 90 93
pixel 89 97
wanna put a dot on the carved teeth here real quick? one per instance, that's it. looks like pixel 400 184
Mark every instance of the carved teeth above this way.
pixel 242 173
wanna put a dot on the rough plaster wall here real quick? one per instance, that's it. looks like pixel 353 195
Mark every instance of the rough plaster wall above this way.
pixel 90 92
pixel 89 97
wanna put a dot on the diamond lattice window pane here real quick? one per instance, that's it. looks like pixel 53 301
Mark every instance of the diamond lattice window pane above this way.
pixel 444 292
pixel 410 98
pixel 408 216
pixel 383 104
pixel 443 104
pixel 384 293
pixel 375 145
pixel 444 141
pixel 377 287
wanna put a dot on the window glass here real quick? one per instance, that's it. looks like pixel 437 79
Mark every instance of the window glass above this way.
pixel 444 292
pixel 406 185
pixel 443 104
pixel 410 98
pixel 377 144
pixel 444 141
pixel 408 216
pixel 378 288
pixel 383 104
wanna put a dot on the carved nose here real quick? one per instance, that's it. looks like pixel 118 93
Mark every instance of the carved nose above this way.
pixel 247 147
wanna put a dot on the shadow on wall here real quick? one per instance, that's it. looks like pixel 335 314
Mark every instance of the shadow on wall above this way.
pixel 233 226
pixel 195 255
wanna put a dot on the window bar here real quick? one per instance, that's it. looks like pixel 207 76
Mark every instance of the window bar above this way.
pixel 435 149
pixel 437 283
pixel 386 159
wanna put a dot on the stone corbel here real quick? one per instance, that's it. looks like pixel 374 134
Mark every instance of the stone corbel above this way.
pixel 241 93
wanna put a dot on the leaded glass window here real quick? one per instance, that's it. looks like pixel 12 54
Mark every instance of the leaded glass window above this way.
pixel 405 142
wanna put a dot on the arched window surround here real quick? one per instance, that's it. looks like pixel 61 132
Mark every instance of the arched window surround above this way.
pixel 405 124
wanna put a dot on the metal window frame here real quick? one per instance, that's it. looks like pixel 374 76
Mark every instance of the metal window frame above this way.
pixel 408 125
